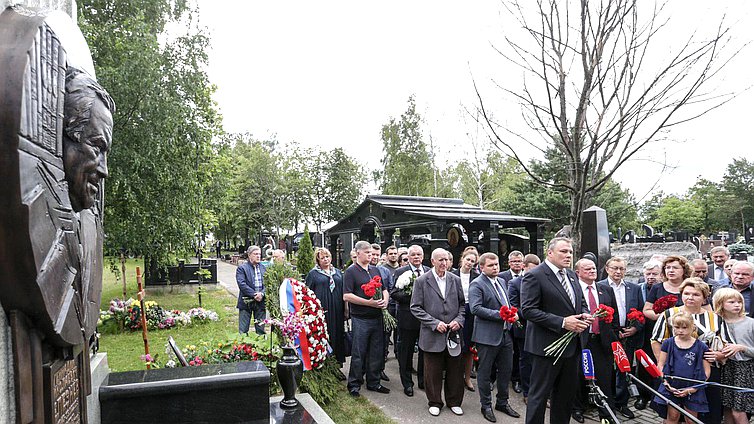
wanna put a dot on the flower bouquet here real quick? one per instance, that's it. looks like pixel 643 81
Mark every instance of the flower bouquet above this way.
pixel 406 282
pixel 634 316
pixel 556 348
pixel 373 289
pixel 510 315
pixel 291 326
pixel 664 303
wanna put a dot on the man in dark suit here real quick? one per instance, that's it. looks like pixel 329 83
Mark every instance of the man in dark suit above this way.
pixel 627 295
pixel 250 280
pixel 438 303
pixel 408 325
pixel 519 334
pixel 487 294
pixel 599 338
pixel 553 304
pixel 516 264
pixel 700 269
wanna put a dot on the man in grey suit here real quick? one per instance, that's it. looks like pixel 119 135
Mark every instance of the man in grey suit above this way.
pixel 439 304
pixel 487 294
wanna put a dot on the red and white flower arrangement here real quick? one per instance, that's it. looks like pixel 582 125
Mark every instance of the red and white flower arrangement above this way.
pixel 315 327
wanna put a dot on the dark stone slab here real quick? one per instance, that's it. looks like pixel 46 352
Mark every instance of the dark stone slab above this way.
pixel 223 393
pixel 297 415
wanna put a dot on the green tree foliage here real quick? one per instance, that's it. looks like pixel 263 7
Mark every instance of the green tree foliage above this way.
pixel 305 256
pixel 163 126
pixel 553 202
pixel 407 167
pixel 678 214
pixel 738 193
pixel 273 188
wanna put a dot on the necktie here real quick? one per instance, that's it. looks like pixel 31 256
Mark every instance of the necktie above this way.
pixel 719 272
pixel 567 286
pixel 418 272
pixel 592 308
pixel 500 293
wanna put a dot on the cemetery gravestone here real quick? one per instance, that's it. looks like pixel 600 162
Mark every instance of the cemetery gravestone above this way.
pixel 55 131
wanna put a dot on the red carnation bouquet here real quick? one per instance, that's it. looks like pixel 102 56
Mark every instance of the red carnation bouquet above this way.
pixel 373 289
pixel 510 315
pixel 635 316
pixel 664 303
pixel 556 348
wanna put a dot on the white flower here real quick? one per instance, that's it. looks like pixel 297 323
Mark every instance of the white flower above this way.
pixel 404 280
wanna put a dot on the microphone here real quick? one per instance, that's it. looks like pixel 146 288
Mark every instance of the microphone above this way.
pixel 587 365
pixel 620 357
pixel 648 363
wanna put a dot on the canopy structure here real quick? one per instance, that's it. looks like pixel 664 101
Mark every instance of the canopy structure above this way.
pixel 434 222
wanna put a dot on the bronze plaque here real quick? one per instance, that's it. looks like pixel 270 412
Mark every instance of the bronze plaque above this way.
pixel 63 387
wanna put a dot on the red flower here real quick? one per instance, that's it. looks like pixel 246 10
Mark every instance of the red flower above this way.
pixel 508 314
pixel 604 313
pixel 369 289
pixel 664 303
pixel 635 315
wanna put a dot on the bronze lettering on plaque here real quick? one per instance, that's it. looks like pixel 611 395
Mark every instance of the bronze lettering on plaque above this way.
pixel 65 392
pixel 55 132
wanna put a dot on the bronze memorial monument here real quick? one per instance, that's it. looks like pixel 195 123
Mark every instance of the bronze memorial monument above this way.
pixel 55 131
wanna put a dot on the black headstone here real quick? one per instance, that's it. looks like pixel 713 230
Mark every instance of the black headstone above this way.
pixel 595 237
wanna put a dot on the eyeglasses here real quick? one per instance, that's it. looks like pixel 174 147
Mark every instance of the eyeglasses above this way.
pixel 616 268
pixel 404 260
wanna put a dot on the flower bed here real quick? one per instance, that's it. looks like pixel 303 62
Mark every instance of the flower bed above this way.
pixel 122 315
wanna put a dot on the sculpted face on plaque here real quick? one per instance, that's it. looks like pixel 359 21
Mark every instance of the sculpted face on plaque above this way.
pixel 87 138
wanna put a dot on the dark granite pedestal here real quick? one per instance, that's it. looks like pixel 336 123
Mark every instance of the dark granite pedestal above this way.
pixel 307 412
pixel 225 393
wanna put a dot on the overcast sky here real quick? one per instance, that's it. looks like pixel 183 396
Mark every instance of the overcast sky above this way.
pixel 330 74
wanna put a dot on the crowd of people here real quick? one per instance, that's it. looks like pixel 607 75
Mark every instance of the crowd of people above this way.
pixel 475 321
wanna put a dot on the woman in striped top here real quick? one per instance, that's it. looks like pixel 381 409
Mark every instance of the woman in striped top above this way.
pixel 711 329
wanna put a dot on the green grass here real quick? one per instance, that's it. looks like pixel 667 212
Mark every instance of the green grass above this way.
pixel 124 350
pixel 347 409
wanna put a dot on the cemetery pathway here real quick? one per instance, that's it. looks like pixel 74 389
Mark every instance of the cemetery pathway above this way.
pixel 403 409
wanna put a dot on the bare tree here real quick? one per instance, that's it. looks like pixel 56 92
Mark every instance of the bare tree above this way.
pixel 596 90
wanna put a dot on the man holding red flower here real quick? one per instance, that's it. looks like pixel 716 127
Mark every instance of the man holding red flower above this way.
pixel 366 319
pixel 490 305
pixel 553 305
pixel 599 337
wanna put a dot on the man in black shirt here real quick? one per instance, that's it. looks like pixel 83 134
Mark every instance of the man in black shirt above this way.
pixel 367 325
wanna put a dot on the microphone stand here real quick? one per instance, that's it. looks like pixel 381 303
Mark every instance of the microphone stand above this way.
pixel 661 396
pixel 599 399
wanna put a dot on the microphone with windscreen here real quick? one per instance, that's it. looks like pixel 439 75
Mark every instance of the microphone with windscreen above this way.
pixel 648 364
pixel 595 393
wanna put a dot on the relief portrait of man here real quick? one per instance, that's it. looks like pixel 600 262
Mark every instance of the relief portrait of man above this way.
pixel 87 137
pixel 55 133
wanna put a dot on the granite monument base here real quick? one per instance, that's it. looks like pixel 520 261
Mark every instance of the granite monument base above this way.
pixel 307 412
pixel 223 393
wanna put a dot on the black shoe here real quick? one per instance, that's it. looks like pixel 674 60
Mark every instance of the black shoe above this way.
pixel 409 391
pixel 640 404
pixel 421 385
pixel 473 374
pixel 578 416
pixel 384 376
pixel 488 415
pixel 626 412
pixel 506 409
pixel 354 393
pixel 470 388
pixel 517 387
pixel 341 376
pixel 380 389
